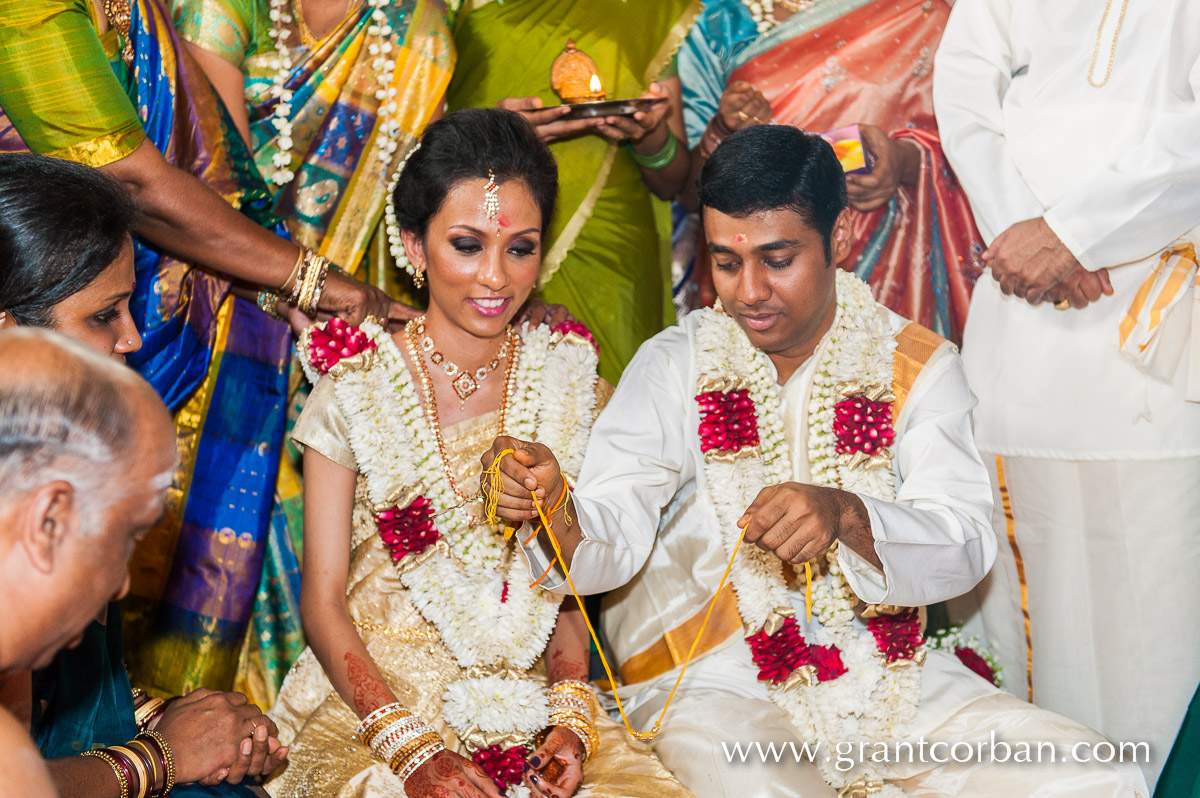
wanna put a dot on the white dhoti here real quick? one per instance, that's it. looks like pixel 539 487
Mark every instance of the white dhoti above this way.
pixel 723 736
pixel 1088 595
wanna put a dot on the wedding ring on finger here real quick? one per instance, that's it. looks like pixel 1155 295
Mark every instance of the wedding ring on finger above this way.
pixel 742 115
pixel 1062 304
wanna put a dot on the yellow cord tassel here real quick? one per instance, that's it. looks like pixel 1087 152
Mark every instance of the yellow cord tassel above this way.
pixel 492 491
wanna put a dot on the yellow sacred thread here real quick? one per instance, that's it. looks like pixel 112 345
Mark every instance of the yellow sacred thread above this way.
pixel 493 495
pixel 808 588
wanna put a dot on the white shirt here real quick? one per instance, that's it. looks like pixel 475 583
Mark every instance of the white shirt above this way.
pixel 1115 171
pixel 642 482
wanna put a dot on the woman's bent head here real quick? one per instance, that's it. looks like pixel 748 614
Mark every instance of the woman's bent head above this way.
pixel 472 205
pixel 66 256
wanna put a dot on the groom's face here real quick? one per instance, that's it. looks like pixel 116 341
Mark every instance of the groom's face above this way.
pixel 773 276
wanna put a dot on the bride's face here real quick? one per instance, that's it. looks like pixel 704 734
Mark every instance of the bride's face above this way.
pixel 481 264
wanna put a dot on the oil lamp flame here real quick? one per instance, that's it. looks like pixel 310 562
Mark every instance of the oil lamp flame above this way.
pixel 596 89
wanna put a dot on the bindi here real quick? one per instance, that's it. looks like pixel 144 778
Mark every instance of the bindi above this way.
pixel 740 238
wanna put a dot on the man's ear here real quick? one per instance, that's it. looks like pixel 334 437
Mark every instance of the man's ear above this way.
pixel 841 238
pixel 50 518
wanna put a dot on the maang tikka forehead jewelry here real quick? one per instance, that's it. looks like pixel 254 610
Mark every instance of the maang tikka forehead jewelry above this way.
pixel 491 197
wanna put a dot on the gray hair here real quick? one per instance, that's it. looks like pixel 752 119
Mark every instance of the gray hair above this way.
pixel 65 414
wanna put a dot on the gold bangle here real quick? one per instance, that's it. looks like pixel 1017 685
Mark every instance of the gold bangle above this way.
pixel 167 757
pixel 155 762
pixel 116 768
pixel 139 769
pixel 292 279
pixel 145 713
pixel 369 733
pixel 405 755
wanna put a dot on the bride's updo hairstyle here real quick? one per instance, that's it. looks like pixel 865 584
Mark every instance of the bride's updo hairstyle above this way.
pixel 466 145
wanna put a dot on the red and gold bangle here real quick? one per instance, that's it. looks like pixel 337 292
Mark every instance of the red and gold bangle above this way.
pixel 153 762
pixel 168 759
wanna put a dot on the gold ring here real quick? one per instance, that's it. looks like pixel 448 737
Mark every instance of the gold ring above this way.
pixel 742 116
pixel 1062 304
pixel 373 319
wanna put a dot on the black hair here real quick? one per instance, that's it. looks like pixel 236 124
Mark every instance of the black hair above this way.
pixel 469 144
pixel 61 225
pixel 767 167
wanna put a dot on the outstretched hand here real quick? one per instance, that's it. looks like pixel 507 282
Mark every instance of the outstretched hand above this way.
pixel 530 467
pixel 549 122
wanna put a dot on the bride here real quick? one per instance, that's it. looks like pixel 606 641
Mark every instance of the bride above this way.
pixel 435 668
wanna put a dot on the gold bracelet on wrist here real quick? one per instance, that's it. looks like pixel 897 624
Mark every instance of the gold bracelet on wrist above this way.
pixel 139 769
pixel 108 758
pixel 293 281
pixel 168 759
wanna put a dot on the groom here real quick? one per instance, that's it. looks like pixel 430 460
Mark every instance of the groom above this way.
pixel 838 435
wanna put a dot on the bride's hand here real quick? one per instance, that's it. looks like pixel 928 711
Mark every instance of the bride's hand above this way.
pixel 448 775
pixel 566 747
pixel 531 466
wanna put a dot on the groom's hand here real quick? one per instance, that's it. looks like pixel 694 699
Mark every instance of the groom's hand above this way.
pixel 799 523
pixel 530 467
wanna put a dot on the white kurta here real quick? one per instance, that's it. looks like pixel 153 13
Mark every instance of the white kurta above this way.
pixel 648 526
pixel 1115 172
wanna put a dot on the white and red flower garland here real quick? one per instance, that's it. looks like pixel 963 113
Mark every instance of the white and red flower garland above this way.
pixel 848 683
pixel 462 574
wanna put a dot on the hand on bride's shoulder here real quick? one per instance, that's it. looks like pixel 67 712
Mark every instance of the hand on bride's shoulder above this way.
pixel 448 775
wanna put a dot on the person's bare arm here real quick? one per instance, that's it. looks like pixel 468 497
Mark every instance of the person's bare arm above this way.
pixel 646 134
pixel 22 771
pixel 328 506
pixel 185 217
pixel 230 84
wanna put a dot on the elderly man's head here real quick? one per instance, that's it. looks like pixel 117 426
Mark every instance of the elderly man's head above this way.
pixel 86 454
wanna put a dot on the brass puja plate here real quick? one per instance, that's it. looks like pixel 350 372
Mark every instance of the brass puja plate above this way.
pixel 599 108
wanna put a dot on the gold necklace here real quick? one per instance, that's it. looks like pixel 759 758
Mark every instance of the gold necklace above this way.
pixel 796 6
pixel 463 382
pixel 512 343
pixel 1112 55
pixel 120 17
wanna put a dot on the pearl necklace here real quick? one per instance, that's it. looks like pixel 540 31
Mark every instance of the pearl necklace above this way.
pixel 384 64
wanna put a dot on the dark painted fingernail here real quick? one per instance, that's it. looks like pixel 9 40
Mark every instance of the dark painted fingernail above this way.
pixel 533 779
pixel 526 766
pixel 536 761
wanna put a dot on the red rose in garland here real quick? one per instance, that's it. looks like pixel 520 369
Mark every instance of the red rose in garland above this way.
pixel 975 661
pixel 336 342
pixel 728 421
pixel 897 636
pixel 862 425
pixel 580 329
pixel 828 662
pixel 502 765
pixel 779 654
pixel 408 531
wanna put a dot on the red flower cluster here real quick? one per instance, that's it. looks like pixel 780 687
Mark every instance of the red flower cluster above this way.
pixel 828 662
pixel 862 425
pixel 897 636
pixel 975 661
pixel 579 328
pixel 337 341
pixel 729 421
pixel 502 765
pixel 779 654
pixel 408 531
